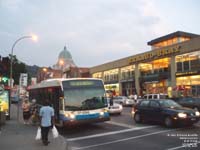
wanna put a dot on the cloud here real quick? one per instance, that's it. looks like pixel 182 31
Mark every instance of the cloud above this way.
pixel 95 32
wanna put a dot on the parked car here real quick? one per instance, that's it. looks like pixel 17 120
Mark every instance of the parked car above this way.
pixel 164 111
pixel 190 102
pixel 155 96
pixel 123 100
pixel 115 108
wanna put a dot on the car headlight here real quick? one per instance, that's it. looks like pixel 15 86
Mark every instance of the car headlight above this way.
pixel 120 107
pixel 197 113
pixel 182 115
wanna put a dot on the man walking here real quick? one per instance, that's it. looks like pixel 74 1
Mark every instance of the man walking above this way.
pixel 46 121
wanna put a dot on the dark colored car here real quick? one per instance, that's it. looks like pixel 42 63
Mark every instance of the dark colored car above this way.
pixel 189 102
pixel 164 111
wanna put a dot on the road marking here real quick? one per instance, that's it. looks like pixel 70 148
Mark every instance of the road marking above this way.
pixel 120 124
pixel 121 140
pixel 108 133
pixel 185 146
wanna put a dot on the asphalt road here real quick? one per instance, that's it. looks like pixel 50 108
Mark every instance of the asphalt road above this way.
pixel 122 133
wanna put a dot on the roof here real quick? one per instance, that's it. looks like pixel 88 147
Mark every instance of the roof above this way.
pixel 65 54
pixel 172 35
pixel 56 82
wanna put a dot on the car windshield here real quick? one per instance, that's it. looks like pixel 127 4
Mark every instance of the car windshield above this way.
pixel 169 103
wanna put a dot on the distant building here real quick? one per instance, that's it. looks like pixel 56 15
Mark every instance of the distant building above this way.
pixel 64 67
pixel 64 61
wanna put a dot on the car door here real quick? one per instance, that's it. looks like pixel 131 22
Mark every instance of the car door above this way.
pixel 143 109
pixel 155 111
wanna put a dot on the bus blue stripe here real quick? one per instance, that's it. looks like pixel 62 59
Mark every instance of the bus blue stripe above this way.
pixel 84 116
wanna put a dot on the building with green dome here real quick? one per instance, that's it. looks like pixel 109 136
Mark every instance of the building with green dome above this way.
pixel 64 61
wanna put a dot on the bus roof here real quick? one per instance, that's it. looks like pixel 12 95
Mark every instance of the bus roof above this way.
pixel 56 82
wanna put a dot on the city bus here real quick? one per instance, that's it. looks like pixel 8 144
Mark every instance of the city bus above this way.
pixel 75 100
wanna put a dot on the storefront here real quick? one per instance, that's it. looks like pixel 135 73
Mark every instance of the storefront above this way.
pixel 172 67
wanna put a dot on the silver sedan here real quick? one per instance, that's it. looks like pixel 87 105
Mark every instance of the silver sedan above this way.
pixel 115 108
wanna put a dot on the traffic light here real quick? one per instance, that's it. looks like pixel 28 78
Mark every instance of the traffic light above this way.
pixel 4 80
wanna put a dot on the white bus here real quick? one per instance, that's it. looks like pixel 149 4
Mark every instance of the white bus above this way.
pixel 75 100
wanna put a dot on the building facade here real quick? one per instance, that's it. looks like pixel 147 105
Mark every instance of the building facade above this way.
pixel 172 66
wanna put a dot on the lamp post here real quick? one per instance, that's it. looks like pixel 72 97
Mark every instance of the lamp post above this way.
pixel 34 38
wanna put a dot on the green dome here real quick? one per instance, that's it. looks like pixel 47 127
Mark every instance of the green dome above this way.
pixel 65 54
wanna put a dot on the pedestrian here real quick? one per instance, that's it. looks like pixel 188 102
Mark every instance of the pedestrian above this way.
pixel 34 112
pixel 46 121
pixel 111 100
pixel 26 111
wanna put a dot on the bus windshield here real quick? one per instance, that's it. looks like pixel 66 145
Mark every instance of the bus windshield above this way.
pixel 84 95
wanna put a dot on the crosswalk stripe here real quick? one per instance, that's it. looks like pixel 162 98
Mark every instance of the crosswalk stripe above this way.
pixel 108 133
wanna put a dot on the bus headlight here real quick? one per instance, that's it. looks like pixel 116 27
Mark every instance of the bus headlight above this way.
pixel 182 115
pixel 72 116
pixel 101 113
pixel 197 113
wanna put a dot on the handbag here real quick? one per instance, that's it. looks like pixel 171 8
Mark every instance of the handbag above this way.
pixel 38 135
pixel 55 132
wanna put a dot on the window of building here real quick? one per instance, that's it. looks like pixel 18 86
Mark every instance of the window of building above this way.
pixel 111 75
pixel 127 72
pixel 97 75
pixel 188 62
pixel 156 66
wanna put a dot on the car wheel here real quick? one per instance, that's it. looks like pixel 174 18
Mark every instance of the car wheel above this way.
pixel 168 122
pixel 137 118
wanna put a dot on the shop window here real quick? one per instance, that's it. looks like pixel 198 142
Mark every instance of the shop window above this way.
pixel 186 66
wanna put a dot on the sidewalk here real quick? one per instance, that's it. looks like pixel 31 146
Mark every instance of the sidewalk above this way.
pixel 14 135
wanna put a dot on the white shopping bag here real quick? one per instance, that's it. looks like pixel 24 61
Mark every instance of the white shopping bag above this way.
pixel 38 135
pixel 55 132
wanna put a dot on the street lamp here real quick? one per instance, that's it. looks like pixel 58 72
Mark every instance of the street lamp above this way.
pixel 34 38
pixel 44 73
pixel 61 63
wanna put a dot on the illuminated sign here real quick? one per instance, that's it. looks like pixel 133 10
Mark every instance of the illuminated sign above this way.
pixel 4 102
pixel 187 73
pixel 81 83
pixel 155 53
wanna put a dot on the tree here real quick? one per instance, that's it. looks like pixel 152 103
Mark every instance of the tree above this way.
pixel 18 67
